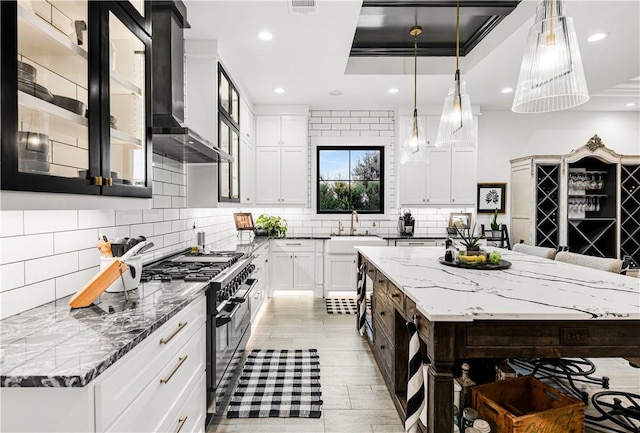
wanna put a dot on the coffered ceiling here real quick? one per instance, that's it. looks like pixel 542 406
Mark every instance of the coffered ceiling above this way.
pixel 311 54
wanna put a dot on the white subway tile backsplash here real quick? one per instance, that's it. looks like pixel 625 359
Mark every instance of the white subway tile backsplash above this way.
pixel 178 202
pixel 161 175
pixel 11 223
pixel 171 214
pixel 158 187
pixel 171 239
pixel 359 127
pixel 116 232
pixel 50 267
pixel 96 218
pixel 88 258
pixel 321 113
pixel 11 276
pixel 178 178
pixel 370 133
pixel 75 240
pixel 161 201
pixel 69 284
pixel 350 120
pixel 359 113
pixel 152 215
pixel 45 221
pixel 331 133
pixel 171 189
pixel 129 216
pixel 161 228
pixel 26 297
pixel 340 113
pixel 19 248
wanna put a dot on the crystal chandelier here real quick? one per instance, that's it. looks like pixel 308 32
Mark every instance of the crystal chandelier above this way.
pixel 456 124
pixel 413 149
pixel 551 75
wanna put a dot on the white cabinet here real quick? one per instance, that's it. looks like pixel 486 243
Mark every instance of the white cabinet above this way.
pixel 281 175
pixel 156 387
pixel 261 274
pixel 340 272
pixel 419 242
pixel 247 172
pixel 448 177
pixel 247 122
pixel 281 130
pixel 293 265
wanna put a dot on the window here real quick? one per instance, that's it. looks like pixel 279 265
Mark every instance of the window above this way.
pixel 350 178
pixel 228 138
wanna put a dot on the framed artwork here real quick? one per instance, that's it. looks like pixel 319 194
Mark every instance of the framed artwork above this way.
pixel 492 196
pixel 460 220
pixel 244 221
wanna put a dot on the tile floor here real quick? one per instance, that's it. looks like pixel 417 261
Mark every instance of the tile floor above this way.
pixel 355 397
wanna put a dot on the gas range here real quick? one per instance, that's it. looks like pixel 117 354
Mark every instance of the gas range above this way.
pixel 189 266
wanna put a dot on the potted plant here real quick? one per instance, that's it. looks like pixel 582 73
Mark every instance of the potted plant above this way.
pixel 271 225
pixel 472 252
pixel 495 226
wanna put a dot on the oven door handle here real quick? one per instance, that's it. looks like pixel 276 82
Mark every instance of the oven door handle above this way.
pixel 222 320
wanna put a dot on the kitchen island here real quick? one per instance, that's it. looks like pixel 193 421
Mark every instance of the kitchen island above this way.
pixel 536 308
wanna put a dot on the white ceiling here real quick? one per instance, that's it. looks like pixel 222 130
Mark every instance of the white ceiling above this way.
pixel 309 56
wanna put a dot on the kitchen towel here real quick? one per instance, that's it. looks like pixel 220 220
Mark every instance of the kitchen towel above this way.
pixel 362 295
pixel 278 383
pixel 342 305
pixel 415 381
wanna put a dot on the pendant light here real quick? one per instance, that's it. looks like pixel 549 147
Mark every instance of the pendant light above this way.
pixel 413 149
pixel 456 124
pixel 551 75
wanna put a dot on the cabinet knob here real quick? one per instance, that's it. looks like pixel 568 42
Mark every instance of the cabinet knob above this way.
pixel 427 200
pixel 382 313
pixel 248 199
pixel 382 346
pixel 452 200
pixel 424 200
pixel 354 261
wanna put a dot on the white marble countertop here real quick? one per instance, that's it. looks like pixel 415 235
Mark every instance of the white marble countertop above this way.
pixel 532 289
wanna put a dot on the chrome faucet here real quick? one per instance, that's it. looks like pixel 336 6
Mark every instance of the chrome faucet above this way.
pixel 353 229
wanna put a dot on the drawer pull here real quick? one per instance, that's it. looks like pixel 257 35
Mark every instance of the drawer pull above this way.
pixel 180 327
pixel 395 295
pixel 181 361
pixel 380 281
pixel 181 422
pixel 382 313
pixel 294 243
pixel 382 346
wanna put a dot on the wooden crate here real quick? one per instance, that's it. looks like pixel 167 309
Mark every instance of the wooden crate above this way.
pixel 526 405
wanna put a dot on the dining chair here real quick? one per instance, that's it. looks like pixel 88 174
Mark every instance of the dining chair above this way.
pixel 601 263
pixel 544 252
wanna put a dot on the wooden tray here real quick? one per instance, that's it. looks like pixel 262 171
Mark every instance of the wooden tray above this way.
pixel 485 266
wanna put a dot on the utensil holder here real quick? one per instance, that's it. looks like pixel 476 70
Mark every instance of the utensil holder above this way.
pixel 131 277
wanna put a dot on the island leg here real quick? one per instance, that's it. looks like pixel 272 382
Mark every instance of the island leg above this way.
pixel 440 409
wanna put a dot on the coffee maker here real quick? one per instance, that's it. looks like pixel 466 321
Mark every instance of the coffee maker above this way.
pixel 406 223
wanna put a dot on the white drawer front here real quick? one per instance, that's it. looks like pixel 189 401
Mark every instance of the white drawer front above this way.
pixel 149 410
pixel 188 415
pixel 293 245
pixel 122 382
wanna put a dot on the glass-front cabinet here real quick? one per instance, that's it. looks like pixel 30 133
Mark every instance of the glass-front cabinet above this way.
pixel 229 138
pixel 66 127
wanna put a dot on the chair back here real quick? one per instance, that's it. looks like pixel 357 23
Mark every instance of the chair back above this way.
pixel 601 263
pixel 547 253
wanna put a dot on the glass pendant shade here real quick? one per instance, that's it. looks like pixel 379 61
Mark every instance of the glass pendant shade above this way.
pixel 413 146
pixel 551 75
pixel 456 123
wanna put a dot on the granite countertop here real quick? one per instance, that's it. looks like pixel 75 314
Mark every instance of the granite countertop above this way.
pixel 55 346
pixel 533 288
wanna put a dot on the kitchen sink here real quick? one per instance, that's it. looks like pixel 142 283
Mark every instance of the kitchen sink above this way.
pixel 346 244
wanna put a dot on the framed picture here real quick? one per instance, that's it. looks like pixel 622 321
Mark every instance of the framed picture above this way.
pixel 492 196
pixel 244 221
pixel 460 220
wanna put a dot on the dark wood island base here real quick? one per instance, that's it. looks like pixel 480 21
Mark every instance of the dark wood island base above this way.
pixel 444 343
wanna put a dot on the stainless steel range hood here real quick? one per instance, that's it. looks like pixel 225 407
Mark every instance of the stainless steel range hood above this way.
pixel 171 137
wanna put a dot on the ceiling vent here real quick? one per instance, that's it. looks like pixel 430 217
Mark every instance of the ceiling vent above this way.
pixel 303 6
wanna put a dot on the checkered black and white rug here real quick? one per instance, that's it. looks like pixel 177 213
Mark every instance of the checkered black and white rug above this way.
pixel 278 383
pixel 342 305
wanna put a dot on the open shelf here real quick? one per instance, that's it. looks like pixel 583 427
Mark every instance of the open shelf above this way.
pixel 594 237
pixel 122 86
pixel 57 118
pixel 123 139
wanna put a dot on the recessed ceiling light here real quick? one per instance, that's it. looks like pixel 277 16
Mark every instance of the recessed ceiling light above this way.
pixel 597 37
pixel 393 90
pixel 265 36
pixel 335 92
pixel 631 104
pixel 507 90
pixel 278 90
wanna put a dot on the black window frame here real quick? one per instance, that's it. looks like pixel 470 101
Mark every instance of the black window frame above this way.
pixel 226 115
pixel 381 149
